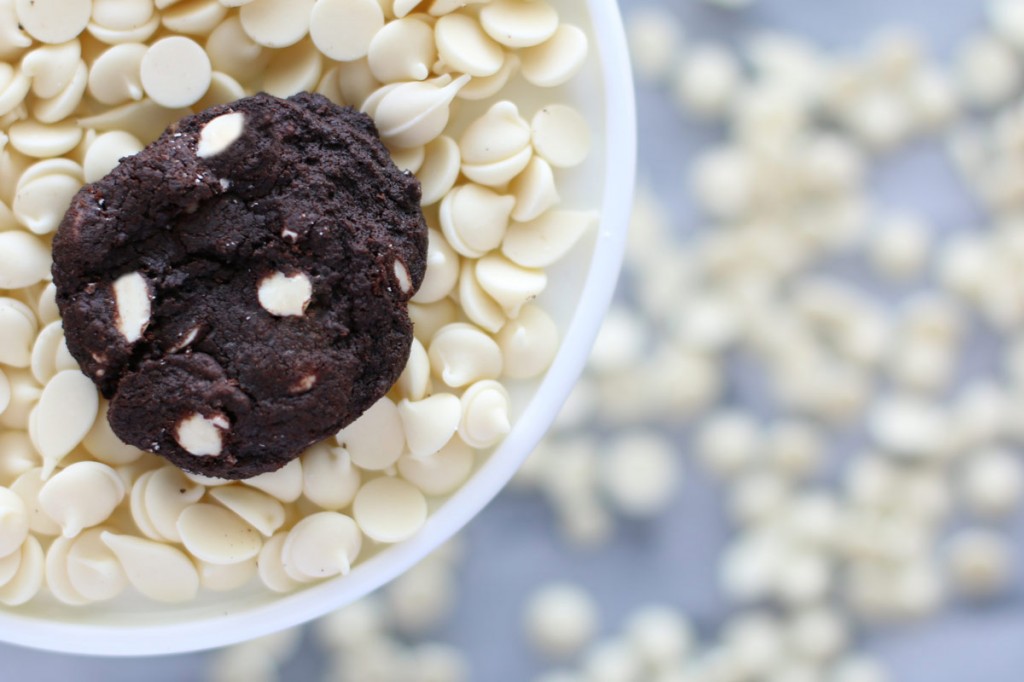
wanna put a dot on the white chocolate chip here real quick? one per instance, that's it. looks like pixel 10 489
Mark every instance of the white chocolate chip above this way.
pixel 460 354
pixel 258 509
pixel 987 70
pixel 106 151
pixel 81 495
pixel 46 306
pixel 19 325
pixel 320 546
pixel 389 509
pixel 409 159
pixel 979 562
pixel 329 478
pixel 5 391
pixel 528 343
pixel 137 507
pixel 496 146
pixel 640 474
pixel 165 494
pixel 144 119
pixel 293 70
pixel 276 23
pixel 285 484
pixel 402 275
pixel 560 135
pixel 660 634
pixel 157 570
pixel 413 114
pixel 175 72
pixel 132 304
pixel 485 414
pixel 53 21
pixel 474 219
pixel 129 34
pixel 560 619
pixel 41 141
pixel 92 569
pixel 14 522
pixel 414 383
pixel 546 239
pixel 58 581
pixel 441 472
pixel 14 86
pixel 534 190
pixel 116 75
pixel 992 483
pixel 655 39
pixel 429 423
pixel 510 285
pixel 198 17
pixel 219 134
pixel 283 295
pixel 442 269
pixel 708 81
pixel 402 51
pixel 29 578
pixel 440 169
pixel 66 411
pixel 27 487
pixel 233 52
pixel 12 38
pixel 24 260
pixel 63 104
pixel 517 23
pixel 489 86
pixel 44 194
pixel 103 444
pixel 122 14
pixel 343 29
pixel 479 307
pixel 25 394
pixel 428 318
pixel 216 535
pixel 223 90
pixel 556 60
pixel 375 440
pixel 202 436
pixel 270 566
pixel 303 385
pixel 463 45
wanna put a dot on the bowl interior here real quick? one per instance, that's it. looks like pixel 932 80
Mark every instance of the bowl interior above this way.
pixel 580 287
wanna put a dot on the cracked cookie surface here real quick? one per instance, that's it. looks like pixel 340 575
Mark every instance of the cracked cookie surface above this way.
pixel 238 289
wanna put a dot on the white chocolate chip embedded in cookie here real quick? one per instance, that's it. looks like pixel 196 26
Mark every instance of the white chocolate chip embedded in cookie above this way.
pixel 402 275
pixel 284 295
pixel 202 436
pixel 220 133
pixel 303 385
pixel 131 301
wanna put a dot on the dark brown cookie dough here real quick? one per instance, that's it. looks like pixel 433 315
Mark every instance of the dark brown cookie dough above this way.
pixel 239 291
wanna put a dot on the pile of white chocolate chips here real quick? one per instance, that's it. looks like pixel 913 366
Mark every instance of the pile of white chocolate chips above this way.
pixel 85 82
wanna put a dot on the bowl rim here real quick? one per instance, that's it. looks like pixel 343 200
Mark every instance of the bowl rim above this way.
pixel 315 601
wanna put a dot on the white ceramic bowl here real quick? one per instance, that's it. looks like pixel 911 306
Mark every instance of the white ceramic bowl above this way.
pixel 580 289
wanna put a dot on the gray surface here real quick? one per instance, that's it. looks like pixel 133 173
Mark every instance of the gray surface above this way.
pixel 512 546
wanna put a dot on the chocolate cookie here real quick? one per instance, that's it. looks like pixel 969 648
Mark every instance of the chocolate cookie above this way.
pixel 238 289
